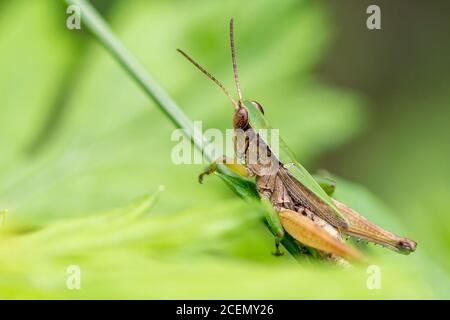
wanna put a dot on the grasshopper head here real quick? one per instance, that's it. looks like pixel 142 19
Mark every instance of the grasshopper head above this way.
pixel 241 118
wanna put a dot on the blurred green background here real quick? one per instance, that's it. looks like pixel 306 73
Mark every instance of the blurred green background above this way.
pixel 81 143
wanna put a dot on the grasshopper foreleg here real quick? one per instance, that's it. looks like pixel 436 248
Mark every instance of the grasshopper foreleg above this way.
pixel 230 163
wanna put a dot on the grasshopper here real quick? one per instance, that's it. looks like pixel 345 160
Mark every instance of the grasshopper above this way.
pixel 296 202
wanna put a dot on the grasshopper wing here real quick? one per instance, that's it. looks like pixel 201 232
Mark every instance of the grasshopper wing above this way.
pixel 305 195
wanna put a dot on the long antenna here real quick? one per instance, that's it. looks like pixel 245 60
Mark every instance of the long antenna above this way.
pixel 233 57
pixel 210 76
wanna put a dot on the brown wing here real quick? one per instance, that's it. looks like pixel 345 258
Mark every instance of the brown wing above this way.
pixel 308 199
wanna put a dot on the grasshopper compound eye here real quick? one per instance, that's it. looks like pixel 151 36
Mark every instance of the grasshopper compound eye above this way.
pixel 258 106
pixel 240 119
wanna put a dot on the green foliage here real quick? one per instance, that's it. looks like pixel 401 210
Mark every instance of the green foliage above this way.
pixel 221 252
pixel 72 149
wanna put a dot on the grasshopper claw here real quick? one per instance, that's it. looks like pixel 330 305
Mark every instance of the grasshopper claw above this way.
pixel 207 172
pixel 278 252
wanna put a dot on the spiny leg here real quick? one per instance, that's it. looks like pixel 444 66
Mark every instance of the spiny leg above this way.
pixel 362 228
pixel 309 233
pixel 230 163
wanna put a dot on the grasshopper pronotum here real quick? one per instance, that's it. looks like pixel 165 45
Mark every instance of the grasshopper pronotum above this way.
pixel 296 202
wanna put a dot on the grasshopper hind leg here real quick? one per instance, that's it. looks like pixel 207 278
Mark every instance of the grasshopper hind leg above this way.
pixel 311 234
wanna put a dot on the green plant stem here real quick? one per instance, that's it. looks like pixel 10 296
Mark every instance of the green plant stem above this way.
pixel 103 33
